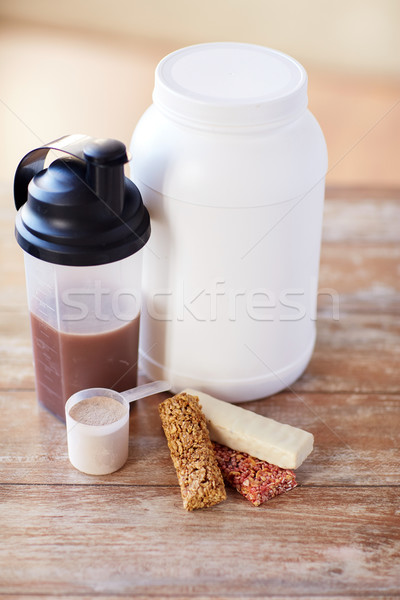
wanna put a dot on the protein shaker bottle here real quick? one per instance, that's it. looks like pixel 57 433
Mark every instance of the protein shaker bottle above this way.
pixel 82 225
pixel 231 165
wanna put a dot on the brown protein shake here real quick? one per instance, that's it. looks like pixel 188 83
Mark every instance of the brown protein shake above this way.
pixel 68 362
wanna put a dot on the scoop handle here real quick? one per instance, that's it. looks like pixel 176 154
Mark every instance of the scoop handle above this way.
pixel 148 389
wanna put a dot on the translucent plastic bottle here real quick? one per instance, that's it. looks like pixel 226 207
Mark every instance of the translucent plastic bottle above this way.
pixel 82 225
pixel 231 166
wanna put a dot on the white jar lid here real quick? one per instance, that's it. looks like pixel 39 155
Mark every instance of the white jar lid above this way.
pixel 228 83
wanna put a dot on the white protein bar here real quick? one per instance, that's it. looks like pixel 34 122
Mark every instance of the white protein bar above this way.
pixel 246 431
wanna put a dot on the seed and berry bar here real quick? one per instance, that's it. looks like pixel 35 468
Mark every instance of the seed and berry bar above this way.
pixel 257 480
pixel 192 452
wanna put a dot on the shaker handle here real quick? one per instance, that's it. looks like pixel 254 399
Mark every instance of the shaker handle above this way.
pixel 33 162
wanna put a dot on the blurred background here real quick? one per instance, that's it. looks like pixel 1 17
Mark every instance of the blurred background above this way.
pixel 87 66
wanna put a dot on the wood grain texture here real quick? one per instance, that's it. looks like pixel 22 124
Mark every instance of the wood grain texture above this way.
pixel 65 547
pixel 71 535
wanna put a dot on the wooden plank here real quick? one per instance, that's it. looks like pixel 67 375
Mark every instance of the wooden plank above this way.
pixel 309 541
pixel 359 278
pixel 362 217
pixel 356 441
pixel 16 361
pixel 12 290
pixel 357 353
pixel 361 191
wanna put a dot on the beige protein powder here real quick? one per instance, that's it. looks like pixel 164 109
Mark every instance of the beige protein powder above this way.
pixel 97 423
pixel 97 410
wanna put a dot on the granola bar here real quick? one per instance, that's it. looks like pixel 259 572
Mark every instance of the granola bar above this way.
pixel 257 480
pixel 192 453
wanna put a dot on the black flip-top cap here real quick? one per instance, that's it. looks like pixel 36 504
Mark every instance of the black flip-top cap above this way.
pixel 81 210
pixel 105 152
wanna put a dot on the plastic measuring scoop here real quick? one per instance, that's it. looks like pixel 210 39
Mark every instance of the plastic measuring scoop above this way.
pixel 97 421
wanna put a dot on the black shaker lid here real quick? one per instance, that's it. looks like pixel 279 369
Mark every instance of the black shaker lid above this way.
pixel 81 210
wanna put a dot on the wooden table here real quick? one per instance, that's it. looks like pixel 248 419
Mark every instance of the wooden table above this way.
pixel 67 534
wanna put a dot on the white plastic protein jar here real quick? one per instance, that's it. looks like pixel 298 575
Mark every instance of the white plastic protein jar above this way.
pixel 231 166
